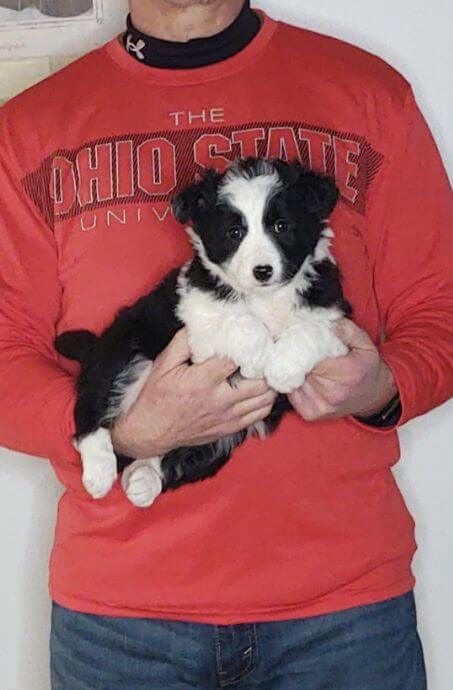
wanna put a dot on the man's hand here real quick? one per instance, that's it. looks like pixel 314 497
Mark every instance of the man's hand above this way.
pixel 359 384
pixel 183 404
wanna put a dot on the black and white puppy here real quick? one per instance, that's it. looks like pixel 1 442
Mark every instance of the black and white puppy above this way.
pixel 262 289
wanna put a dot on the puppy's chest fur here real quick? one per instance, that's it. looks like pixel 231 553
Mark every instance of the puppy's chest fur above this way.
pixel 276 310
pixel 275 333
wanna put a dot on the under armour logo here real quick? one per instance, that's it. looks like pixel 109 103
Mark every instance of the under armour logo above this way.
pixel 135 48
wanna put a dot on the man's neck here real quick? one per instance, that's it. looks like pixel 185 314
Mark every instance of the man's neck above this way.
pixel 174 22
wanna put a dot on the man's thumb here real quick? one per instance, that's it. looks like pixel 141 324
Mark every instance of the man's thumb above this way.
pixel 354 337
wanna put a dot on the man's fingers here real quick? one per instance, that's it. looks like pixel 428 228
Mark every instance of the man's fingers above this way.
pixel 216 369
pixel 301 403
pixel 353 336
pixel 342 369
pixel 255 416
pixel 309 404
pixel 245 389
pixel 245 407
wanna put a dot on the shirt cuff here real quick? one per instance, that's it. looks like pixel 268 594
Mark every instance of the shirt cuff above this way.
pixel 399 415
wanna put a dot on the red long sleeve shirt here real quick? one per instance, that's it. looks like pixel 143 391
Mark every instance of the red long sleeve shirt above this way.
pixel 309 521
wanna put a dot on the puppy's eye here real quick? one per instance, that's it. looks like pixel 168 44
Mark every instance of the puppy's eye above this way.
pixel 281 226
pixel 235 232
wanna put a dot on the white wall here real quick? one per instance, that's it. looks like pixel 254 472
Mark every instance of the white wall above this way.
pixel 415 38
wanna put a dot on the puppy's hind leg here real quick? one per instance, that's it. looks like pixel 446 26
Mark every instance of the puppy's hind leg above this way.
pixel 98 462
pixel 195 463
pixel 142 481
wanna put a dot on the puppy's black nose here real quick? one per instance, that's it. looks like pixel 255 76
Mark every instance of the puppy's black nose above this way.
pixel 263 273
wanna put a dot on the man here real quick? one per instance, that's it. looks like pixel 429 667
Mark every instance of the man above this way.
pixel 291 568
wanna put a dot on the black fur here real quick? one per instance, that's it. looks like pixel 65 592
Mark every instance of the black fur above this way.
pixel 200 277
pixel 75 344
pixel 326 290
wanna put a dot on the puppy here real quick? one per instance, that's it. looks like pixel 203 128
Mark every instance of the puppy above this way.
pixel 262 289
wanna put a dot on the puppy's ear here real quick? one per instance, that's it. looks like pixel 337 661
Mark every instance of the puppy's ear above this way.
pixel 319 193
pixel 197 198
pixel 186 203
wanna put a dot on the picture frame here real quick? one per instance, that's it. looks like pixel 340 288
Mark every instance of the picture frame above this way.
pixel 33 14
pixel 36 28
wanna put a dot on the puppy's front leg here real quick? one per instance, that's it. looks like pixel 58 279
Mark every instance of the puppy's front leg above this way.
pixel 98 462
pixel 299 349
pixel 240 337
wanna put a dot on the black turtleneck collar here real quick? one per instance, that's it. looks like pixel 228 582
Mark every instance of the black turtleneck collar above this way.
pixel 198 52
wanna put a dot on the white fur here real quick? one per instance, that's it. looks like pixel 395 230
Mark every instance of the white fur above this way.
pixel 98 462
pixel 224 329
pixel 142 481
pixel 128 386
pixel 251 197
pixel 306 343
pixel 142 371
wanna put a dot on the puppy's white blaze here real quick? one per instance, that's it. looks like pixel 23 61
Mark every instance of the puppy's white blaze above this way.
pixel 263 167
pixel 248 192
pixel 250 197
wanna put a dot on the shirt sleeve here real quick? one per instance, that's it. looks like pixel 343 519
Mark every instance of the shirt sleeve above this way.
pixel 37 395
pixel 411 241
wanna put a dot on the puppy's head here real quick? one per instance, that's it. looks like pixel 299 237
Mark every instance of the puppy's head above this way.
pixel 255 225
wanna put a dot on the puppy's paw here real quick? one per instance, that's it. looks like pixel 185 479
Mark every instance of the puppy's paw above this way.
pixel 299 349
pixel 200 349
pixel 99 477
pixel 248 343
pixel 284 376
pixel 142 482
pixel 289 362
pixel 99 463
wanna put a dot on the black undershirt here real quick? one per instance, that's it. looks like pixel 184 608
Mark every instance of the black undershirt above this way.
pixel 198 52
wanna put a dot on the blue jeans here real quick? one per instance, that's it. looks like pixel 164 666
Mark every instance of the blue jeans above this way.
pixel 373 647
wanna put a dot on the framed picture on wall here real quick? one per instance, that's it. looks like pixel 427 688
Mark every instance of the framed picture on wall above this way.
pixel 34 28
pixel 35 13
